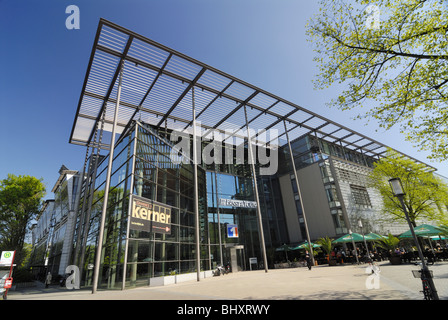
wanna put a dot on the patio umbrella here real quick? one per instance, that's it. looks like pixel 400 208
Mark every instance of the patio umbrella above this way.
pixel 373 236
pixel 304 245
pixel 424 230
pixel 437 237
pixel 348 238
pixel 285 248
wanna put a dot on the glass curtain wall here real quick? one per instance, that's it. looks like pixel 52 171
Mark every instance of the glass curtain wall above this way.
pixel 234 181
pixel 235 188
pixel 89 216
pixel 158 178
pixel 143 163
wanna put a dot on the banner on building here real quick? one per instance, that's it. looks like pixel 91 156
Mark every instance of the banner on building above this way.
pixel 237 203
pixel 150 216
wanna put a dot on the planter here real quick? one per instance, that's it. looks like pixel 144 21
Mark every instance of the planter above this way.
pixel 395 260
pixel 332 262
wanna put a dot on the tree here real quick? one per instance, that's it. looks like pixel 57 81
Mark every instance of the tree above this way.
pixel 326 245
pixel 426 194
pixel 20 201
pixel 393 56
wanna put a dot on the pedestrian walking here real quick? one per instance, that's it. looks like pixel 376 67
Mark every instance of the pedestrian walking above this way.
pixel 48 280
pixel 308 260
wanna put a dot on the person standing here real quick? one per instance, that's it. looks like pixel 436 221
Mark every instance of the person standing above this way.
pixel 48 280
pixel 308 259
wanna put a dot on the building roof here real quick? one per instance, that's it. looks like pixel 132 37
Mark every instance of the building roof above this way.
pixel 157 89
pixel 63 172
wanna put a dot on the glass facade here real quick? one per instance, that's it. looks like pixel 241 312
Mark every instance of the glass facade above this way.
pixel 143 166
pixel 52 233
pixel 158 178
pixel 89 215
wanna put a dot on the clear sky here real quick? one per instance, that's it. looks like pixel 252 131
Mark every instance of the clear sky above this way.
pixel 43 65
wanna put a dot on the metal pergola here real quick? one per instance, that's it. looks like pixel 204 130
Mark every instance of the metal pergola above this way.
pixel 157 86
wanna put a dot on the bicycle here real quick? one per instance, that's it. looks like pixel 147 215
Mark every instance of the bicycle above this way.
pixel 428 294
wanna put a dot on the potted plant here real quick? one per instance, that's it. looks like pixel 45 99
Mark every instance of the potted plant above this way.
pixel 390 244
pixel 327 246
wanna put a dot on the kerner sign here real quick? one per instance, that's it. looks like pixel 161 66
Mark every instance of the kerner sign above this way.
pixel 150 216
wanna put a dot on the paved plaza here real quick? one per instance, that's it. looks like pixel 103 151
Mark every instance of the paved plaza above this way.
pixel 345 282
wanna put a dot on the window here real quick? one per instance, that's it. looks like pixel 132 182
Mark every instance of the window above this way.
pixel 360 196
pixel 332 195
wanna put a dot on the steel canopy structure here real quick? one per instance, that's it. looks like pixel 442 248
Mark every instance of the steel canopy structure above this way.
pixel 157 87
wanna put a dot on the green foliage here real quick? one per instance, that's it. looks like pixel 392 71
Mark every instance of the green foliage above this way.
pixel 20 201
pixel 22 275
pixel 326 244
pixel 308 248
pixel 390 243
pixel 396 69
pixel 444 230
pixel 426 195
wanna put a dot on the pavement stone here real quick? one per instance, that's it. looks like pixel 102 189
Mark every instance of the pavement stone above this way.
pixel 342 282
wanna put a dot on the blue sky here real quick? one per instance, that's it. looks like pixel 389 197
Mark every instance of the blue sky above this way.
pixel 43 66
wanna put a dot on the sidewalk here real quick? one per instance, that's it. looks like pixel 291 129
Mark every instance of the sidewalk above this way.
pixel 347 282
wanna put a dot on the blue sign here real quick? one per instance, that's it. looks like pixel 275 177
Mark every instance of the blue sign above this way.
pixel 232 231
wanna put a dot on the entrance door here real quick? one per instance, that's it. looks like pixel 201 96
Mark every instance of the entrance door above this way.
pixel 237 259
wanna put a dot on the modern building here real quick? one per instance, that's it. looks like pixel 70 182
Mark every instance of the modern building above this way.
pixel 41 233
pixel 52 234
pixel 153 211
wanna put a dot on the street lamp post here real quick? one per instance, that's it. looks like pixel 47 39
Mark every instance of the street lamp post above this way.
pixel 397 189
pixel 355 250
pixel 364 238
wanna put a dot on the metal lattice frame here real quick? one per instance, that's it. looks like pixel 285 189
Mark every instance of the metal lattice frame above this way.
pixel 157 88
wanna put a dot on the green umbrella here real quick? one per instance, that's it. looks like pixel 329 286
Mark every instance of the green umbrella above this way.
pixel 305 245
pixel 285 248
pixel 423 230
pixel 348 238
pixel 438 237
pixel 373 236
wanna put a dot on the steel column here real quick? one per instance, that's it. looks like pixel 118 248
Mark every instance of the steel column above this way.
pixel 219 221
pixel 106 190
pixel 131 192
pixel 260 221
pixel 299 192
pixel 196 193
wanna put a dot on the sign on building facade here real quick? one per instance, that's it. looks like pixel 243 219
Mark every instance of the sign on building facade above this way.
pixel 149 215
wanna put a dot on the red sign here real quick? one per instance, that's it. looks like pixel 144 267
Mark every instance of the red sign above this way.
pixel 8 283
